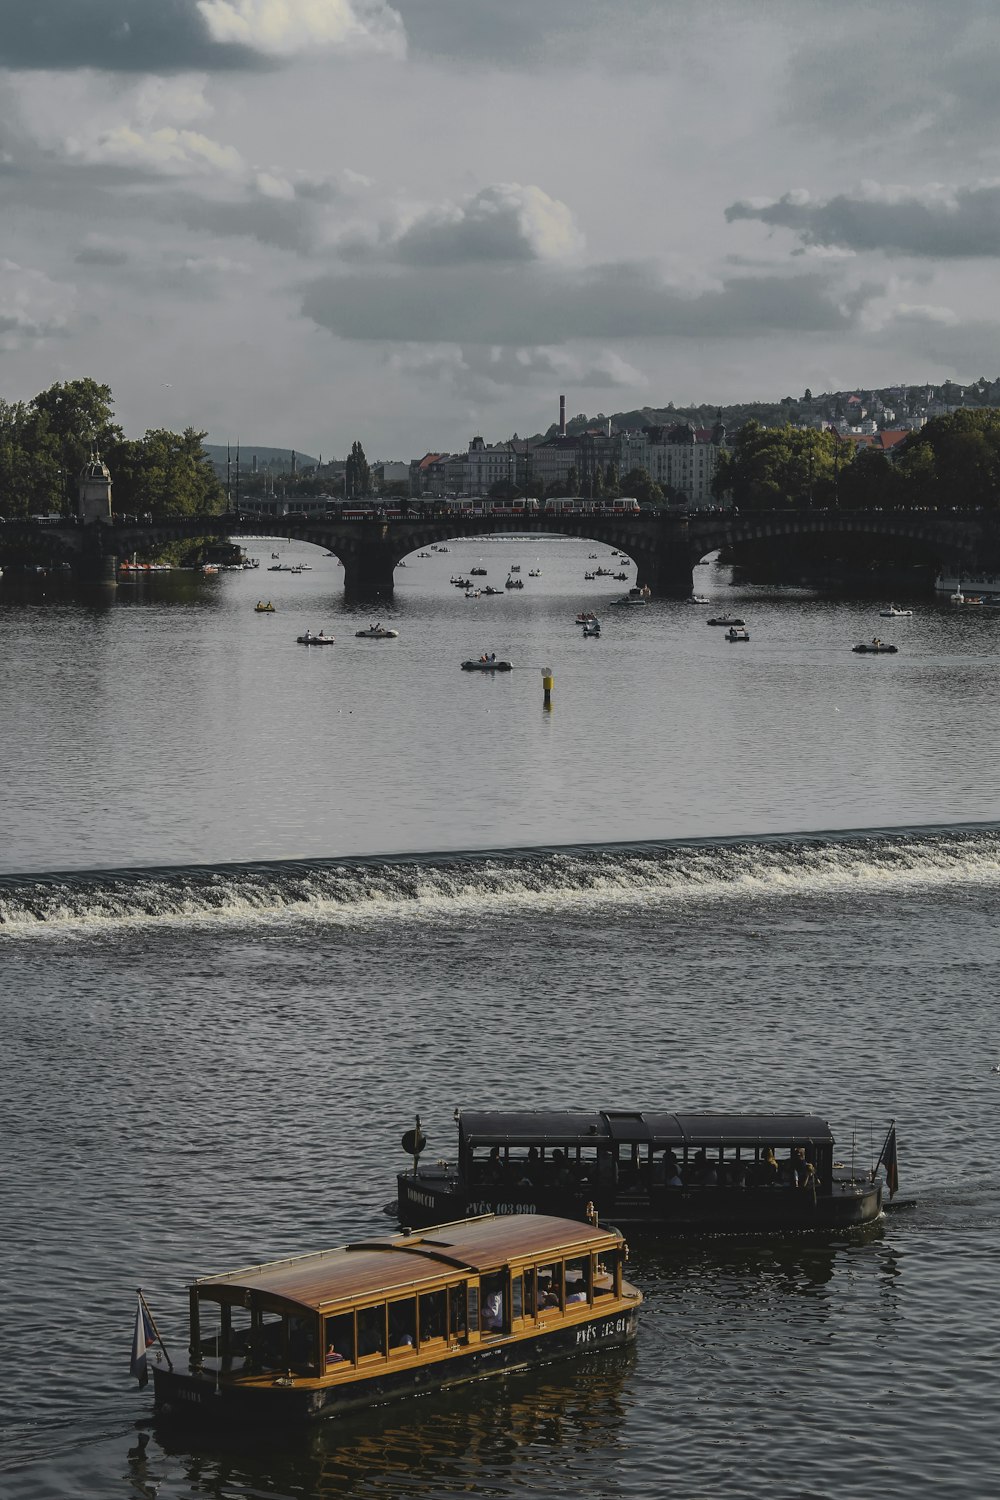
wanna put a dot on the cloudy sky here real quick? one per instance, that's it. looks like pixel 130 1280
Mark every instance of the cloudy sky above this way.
pixel 301 222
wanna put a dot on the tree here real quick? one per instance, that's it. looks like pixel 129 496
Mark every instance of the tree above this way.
pixel 612 487
pixel 166 472
pixel 771 467
pixel 358 479
pixel 639 486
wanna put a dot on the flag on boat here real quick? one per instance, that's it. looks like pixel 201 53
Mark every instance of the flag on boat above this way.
pixel 143 1338
pixel 887 1159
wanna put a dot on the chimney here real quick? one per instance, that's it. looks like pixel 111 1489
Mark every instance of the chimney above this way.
pixel 562 416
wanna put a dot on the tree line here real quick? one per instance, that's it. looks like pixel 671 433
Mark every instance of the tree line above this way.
pixel 952 462
pixel 45 443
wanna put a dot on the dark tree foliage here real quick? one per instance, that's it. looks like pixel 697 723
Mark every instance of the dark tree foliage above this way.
pixel 359 475
pixel 45 443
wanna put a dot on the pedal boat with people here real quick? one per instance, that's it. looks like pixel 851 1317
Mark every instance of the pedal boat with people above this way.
pixel 295 1342
pixel 663 1173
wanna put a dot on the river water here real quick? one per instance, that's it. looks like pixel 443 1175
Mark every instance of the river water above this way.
pixel 736 876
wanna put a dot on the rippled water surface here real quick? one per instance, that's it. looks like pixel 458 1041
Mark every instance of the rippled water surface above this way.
pixel 211 1063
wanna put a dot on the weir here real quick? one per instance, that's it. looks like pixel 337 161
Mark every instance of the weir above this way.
pixel 660 867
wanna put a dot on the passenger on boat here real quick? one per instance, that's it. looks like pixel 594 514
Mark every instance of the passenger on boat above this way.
pixel 491 1316
pixel 560 1168
pixel 703 1173
pixel 803 1171
pixel 671 1170
pixel 546 1292
pixel 493 1166
pixel 768 1166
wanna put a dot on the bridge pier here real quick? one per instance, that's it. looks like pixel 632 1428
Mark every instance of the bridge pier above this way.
pixel 94 564
pixel 369 569
pixel 668 572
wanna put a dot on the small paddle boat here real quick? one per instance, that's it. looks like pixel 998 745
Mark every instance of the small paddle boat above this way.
pixel 737 633
pixel 892 613
pixel 697 599
pixel 487 664
pixel 875 647
pixel 376 633
pixel 592 627
pixel 725 620
pixel 261 608
pixel 309 639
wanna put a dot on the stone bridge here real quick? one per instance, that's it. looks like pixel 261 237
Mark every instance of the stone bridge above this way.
pixel 665 546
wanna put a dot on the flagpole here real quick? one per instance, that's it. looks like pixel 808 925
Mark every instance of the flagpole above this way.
pixel 152 1322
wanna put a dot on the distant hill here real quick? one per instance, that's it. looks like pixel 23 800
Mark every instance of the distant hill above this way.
pixel 277 460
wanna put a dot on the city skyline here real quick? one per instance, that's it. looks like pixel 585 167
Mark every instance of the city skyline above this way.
pixel 324 220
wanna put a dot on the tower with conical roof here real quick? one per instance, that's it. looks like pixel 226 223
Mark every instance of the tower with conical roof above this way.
pixel 94 490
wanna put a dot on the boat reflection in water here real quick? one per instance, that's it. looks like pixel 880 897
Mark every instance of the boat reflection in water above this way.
pixel 503 1437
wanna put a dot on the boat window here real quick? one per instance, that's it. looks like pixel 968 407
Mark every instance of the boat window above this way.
pixel 457 1314
pixel 633 1171
pixel 338 1339
pixel 302 1356
pixel 239 1333
pixel 550 1286
pixel 529 1293
pixel 433 1315
pixel 403 1323
pixel 267 1342
pixel 516 1298
pixel 473 1294
pixel 607 1273
pixel 371 1331
pixel 493 1303
pixel 578 1279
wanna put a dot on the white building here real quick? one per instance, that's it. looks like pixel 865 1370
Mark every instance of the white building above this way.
pixel 685 458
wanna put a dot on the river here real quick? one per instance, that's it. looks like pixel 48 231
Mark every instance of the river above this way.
pixel 758 875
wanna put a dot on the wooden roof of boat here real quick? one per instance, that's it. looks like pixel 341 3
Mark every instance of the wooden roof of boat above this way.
pixel 392 1264
pixel 521 1128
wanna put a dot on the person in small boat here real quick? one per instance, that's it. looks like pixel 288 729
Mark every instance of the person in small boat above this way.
pixel 493 656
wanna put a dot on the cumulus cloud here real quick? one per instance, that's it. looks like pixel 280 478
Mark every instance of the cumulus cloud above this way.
pixel 545 305
pixel 281 28
pixel 928 221
pixel 32 307
pixel 169 36
pixel 164 150
pixel 504 222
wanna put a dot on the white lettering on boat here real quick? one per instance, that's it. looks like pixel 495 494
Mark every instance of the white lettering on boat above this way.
pixel 601 1330
pixel 501 1208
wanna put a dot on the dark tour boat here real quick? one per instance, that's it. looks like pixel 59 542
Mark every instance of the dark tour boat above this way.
pixel 301 1340
pixel 667 1173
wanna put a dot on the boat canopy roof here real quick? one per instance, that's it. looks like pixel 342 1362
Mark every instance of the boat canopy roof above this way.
pixel 604 1127
pixel 391 1264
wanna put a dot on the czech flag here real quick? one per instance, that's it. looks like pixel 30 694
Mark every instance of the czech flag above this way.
pixel 887 1159
pixel 143 1339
